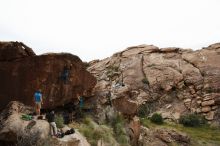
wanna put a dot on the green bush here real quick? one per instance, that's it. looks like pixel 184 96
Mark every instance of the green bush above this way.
pixel 145 80
pixel 118 125
pixel 145 109
pixel 156 118
pixel 94 132
pixel 86 64
pixel 192 120
pixel 59 121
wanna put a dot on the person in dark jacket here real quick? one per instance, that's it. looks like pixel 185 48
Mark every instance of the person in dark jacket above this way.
pixel 51 119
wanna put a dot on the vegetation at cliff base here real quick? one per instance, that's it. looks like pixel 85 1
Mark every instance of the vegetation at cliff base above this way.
pixel 201 135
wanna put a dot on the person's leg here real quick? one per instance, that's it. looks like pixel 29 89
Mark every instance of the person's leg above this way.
pixel 51 129
pixel 36 106
pixel 54 127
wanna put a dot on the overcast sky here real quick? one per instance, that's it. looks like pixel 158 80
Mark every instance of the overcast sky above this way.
pixel 95 29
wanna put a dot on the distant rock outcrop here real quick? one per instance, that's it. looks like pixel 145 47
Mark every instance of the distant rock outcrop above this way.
pixel 22 73
pixel 176 80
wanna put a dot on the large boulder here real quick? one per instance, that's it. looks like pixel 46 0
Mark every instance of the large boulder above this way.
pixel 22 73
pixel 14 129
pixel 166 76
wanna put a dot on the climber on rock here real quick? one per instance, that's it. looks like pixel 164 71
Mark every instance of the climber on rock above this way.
pixel 80 105
pixel 38 101
pixel 65 73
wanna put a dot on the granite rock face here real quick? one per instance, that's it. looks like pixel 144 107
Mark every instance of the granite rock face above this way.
pixel 22 73
pixel 187 80
pixel 13 127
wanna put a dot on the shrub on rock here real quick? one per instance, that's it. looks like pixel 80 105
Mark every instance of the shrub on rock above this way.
pixel 59 121
pixel 156 118
pixel 192 120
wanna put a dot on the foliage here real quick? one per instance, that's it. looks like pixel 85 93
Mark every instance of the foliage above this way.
pixel 192 120
pixel 94 132
pixel 111 70
pixel 199 135
pixel 145 109
pixel 156 118
pixel 27 138
pixel 145 81
pixel 118 125
pixel 86 64
pixel 59 121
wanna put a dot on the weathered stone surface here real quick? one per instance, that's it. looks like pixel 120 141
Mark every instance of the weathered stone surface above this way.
pixel 134 128
pixel 13 127
pixel 198 110
pixel 75 139
pixel 166 75
pixel 14 50
pixel 24 73
pixel 206 109
pixel 198 102
pixel 208 102
pixel 171 135
pixel 187 100
pixel 125 106
pixel 214 107
pixel 210 115
pixel 162 137
pixel 217 101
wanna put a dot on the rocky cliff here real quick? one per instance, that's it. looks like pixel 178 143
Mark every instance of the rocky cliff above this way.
pixel 172 81
pixel 22 73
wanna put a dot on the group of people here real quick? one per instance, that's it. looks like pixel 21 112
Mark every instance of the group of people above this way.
pixel 51 115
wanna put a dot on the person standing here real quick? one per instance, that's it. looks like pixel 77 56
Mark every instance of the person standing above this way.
pixel 80 106
pixel 38 101
pixel 51 119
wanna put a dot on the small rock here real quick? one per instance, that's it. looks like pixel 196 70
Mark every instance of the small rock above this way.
pixel 187 100
pixel 193 110
pixel 168 106
pixel 217 101
pixel 210 115
pixel 214 107
pixel 206 109
pixel 198 102
pixel 208 102
pixel 198 110
pixel 207 98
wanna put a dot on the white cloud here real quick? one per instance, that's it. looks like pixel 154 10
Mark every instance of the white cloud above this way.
pixel 98 28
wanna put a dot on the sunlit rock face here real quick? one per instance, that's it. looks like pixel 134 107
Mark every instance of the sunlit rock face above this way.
pixel 172 80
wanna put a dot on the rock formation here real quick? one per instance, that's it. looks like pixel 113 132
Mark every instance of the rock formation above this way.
pixel 176 80
pixel 162 137
pixel 14 129
pixel 22 73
